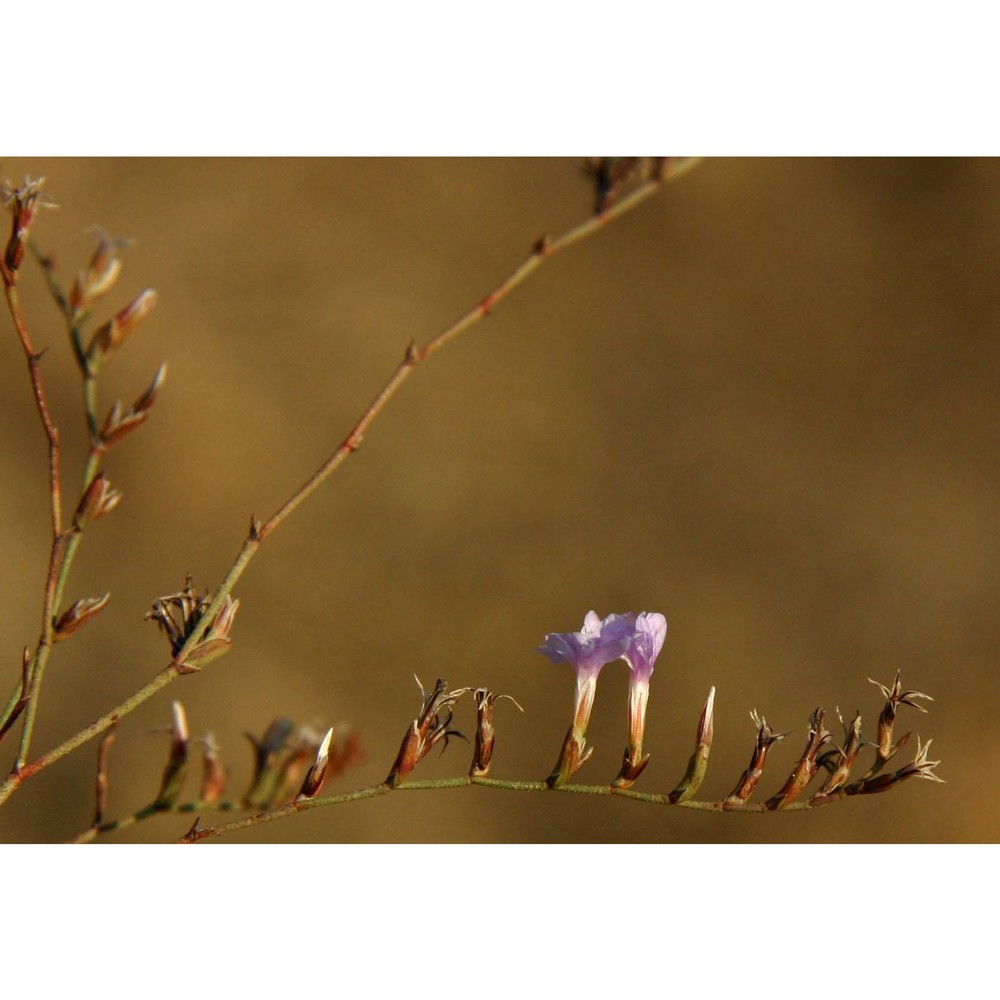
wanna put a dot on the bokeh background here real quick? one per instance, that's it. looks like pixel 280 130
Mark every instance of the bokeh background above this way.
pixel 766 404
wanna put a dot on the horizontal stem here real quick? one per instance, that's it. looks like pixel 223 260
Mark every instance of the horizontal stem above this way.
pixel 439 784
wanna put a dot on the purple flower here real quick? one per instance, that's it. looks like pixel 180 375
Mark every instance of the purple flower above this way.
pixel 648 633
pixel 598 642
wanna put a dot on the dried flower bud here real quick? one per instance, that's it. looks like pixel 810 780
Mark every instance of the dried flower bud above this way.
pixel 317 773
pixel 24 201
pixel 213 777
pixel 173 773
pixel 894 697
pixel 428 729
pixel 485 732
pixel 698 763
pixel 98 499
pixel 78 614
pixel 146 400
pixel 805 769
pixel 122 325
pixel 180 616
pixel 841 759
pixel 100 275
pixel 117 424
pixel 920 767
pixel 766 738
pixel 267 772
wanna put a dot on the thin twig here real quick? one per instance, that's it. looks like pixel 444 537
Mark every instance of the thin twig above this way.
pixel 438 784
pixel 542 250
pixel 39 660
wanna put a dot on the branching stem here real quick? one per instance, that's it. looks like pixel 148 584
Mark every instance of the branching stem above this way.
pixel 542 250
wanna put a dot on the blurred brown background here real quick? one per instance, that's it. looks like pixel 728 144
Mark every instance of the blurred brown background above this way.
pixel 765 404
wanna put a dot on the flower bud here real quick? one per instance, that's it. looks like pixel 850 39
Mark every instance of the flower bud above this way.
pixel 78 614
pixel 173 773
pixel 122 325
pixel 98 499
pixel 317 773
pixel 25 201
pixel 213 778
pixel 698 764
pixel 99 276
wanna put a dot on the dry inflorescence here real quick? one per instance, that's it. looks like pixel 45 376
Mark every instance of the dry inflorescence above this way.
pixel 291 765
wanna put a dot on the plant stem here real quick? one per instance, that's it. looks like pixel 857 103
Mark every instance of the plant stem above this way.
pixel 542 250
pixel 36 668
pixel 465 781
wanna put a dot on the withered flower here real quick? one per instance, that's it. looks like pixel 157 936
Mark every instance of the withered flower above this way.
pixel 180 616
pixel 766 738
pixel 485 731
pixel 805 770
pixel 24 201
pixel 895 696
pixel 426 731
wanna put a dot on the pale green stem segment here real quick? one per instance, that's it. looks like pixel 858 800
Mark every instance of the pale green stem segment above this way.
pixel 465 781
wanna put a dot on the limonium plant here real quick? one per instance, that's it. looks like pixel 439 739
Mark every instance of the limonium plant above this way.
pixel 293 764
